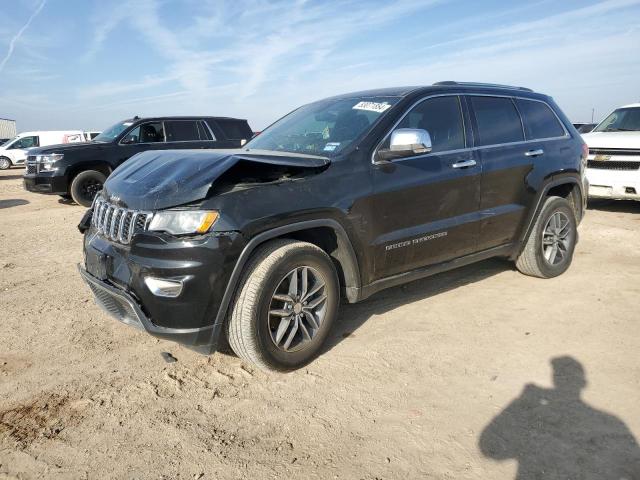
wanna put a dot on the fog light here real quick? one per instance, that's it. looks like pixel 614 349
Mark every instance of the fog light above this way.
pixel 161 287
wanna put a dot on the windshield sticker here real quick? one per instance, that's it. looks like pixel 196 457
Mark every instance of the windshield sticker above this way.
pixel 372 106
pixel 331 146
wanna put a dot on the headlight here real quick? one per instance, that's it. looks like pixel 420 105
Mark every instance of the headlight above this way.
pixel 181 222
pixel 46 161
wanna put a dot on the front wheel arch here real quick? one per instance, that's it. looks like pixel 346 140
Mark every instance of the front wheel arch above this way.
pixel 348 261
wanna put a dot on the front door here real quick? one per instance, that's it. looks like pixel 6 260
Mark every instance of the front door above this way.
pixel 425 207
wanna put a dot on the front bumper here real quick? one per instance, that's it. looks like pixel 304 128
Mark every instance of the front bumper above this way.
pixel 45 183
pixel 123 307
pixel 614 184
pixel 116 275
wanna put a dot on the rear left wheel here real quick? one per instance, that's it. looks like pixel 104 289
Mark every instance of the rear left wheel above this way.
pixel 287 302
pixel 549 249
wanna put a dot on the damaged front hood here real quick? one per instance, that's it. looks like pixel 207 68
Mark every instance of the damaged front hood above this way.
pixel 154 180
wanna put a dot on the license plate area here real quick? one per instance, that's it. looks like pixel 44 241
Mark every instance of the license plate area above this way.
pixel 96 263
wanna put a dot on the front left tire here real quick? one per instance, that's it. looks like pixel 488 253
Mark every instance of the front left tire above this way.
pixel 86 185
pixel 5 163
pixel 285 306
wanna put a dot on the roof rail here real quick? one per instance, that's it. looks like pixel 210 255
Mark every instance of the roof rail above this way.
pixel 478 84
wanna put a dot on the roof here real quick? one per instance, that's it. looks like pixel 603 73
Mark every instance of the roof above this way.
pixel 179 117
pixel 438 86
pixel 631 105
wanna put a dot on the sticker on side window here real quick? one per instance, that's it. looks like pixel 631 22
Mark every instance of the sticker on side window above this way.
pixel 372 106
pixel 331 146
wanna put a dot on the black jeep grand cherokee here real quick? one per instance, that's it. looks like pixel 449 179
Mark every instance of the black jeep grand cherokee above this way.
pixel 78 170
pixel 339 199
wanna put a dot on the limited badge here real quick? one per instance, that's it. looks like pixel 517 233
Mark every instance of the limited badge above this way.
pixel 602 158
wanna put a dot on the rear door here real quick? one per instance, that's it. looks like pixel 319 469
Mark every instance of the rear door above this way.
pixel 506 164
pixel 188 134
pixel 425 208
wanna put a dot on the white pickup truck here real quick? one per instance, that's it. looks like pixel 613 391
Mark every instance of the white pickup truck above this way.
pixel 613 168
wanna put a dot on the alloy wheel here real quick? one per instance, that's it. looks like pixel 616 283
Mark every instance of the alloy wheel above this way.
pixel 556 238
pixel 297 309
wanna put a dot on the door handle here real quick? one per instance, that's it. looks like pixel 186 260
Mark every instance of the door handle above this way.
pixel 464 164
pixel 534 153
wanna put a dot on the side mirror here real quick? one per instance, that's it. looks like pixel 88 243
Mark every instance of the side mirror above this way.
pixel 406 142
pixel 129 140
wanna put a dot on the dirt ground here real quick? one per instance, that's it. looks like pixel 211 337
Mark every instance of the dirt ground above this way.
pixel 471 374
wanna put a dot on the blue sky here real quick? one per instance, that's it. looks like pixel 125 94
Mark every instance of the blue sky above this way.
pixel 87 64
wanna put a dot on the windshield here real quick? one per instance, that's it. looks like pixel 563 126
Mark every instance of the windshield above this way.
pixel 111 133
pixel 621 120
pixel 7 142
pixel 323 128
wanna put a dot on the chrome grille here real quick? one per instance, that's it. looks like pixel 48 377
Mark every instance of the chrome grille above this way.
pixel 613 165
pixel 614 151
pixel 117 223
pixel 32 166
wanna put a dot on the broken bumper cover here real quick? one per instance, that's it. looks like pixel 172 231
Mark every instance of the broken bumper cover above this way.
pixel 125 308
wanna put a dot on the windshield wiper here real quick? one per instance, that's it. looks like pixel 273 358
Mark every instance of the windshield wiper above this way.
pixel 621 130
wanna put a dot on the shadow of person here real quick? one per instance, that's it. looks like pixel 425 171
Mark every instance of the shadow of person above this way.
pixel 553 434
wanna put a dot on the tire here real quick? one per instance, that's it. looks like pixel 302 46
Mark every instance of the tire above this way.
pixel 5 163
pixel 85 186
pixel 556 223
pixel 259 336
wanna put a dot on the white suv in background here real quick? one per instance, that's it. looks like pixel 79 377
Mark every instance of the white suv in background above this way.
pixel 613 168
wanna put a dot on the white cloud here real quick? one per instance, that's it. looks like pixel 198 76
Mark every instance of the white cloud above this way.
pixel 14 40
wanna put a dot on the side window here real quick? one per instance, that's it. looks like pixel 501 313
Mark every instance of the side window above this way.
pixel 498 120
pixel 442 118
pixel 539 120
pixel 145 133
pixel 182 131
pixel 235 129
pixel 26 142
pixel 204 132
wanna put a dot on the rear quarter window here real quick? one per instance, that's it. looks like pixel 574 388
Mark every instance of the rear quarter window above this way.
pixel 235 129
pixel 498 120
pixel 539 120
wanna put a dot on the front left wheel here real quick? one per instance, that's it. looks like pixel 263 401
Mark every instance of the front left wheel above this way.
pixel 86 185
pixel 286 304
pixel 5 163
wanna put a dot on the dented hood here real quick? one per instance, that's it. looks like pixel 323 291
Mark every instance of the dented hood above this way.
pixel 154 180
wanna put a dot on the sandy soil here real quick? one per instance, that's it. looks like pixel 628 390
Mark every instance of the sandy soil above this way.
pixel 449 377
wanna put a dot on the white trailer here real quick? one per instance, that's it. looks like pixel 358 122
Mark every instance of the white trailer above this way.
pixel 7 128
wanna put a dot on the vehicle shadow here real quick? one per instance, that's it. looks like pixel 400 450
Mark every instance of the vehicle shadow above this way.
pixel 352 316
pixel 10 177
pixel 620 206
pixel 12 202
pixel 553 434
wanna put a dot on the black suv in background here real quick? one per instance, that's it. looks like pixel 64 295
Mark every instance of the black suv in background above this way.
pixel 79 170
pixel 339 199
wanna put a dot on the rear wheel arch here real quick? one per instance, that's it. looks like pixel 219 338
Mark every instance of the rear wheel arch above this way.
pixel 565 187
